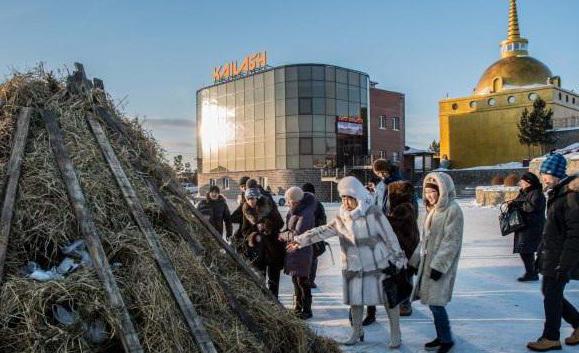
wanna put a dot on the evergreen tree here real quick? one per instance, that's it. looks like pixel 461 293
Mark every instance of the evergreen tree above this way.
pixel 525 131
pixel 534 127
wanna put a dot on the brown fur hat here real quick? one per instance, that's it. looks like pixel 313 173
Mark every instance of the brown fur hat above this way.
pixel 400 192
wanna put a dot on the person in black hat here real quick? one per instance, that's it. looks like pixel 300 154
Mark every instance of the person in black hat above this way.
pixel 237 215
pixel 214 206
pixel 531 202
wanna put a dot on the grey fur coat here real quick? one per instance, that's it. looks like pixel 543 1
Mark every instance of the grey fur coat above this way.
pixel 440 245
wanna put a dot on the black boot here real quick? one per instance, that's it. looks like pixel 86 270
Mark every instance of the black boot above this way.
pixel 306 306
pixel 370 316
pixel 297 304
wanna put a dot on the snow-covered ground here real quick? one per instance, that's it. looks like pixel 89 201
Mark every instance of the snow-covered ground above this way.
pixel 490 310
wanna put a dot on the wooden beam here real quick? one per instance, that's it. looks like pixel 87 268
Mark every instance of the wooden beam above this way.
pixel 128 334
pixel 178 225
pixel 115 124
pixel 11 184
pixel 192 319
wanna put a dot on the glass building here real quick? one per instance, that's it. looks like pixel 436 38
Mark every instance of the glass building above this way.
pixel 289 117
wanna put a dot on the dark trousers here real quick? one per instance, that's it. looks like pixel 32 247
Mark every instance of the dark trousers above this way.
pixel 529 262
pixel 314 269
pixel 441 323
pixel 556 306
pixel 273 274
pixel 301 286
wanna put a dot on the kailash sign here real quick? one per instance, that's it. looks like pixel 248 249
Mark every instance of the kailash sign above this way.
pixel 250 63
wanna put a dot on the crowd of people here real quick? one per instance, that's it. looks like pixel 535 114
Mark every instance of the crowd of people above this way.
pixel 382 248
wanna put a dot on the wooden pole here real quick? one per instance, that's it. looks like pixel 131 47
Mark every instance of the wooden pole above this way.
pixel 128 334
pixel 193 320
pixel 11 185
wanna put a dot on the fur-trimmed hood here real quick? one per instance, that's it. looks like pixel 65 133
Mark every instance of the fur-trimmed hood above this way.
pixel 260 212
pixel 446 189
pixel 574 184
pixel 351 186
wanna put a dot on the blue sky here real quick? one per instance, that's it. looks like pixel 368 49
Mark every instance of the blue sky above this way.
pixel 154 55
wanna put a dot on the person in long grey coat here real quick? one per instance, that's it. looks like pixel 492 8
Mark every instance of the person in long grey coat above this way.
pixel 438 254
pixel 300 218
pixel 368 247
pixel 531 202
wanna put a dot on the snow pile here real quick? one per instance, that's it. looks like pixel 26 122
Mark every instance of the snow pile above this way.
pixel 509 165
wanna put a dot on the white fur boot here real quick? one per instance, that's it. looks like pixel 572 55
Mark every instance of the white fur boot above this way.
pixel 394 321
pixel 357 331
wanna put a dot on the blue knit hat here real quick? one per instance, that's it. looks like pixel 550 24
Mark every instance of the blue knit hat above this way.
pixel 252 193
pixel 555 164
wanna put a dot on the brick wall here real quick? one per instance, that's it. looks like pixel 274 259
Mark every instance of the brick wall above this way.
pixel 389 104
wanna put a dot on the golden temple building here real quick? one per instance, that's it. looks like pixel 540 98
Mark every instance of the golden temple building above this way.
pixel 481 129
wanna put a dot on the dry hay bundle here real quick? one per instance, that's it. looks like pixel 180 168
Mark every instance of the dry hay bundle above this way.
pixel 44 224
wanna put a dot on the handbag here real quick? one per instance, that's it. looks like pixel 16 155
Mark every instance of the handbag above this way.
pixel 397 286
pixel 511 218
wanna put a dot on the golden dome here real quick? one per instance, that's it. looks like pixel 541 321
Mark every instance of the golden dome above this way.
pixel 513 72
pixel 515 68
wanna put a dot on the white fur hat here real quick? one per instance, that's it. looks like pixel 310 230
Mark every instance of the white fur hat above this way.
pixel 351 186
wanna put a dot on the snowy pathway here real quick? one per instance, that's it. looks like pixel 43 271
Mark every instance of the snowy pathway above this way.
pixel 490 311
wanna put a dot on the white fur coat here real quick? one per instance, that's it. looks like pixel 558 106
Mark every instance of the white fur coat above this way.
pixel 368 245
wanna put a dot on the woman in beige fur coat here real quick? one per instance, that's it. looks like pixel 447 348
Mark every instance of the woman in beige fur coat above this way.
pixel 437 256
pixel 368 246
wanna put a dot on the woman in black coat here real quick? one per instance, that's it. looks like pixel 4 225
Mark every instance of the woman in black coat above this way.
pixel 214 206
pixel 532 203
pixel 260 230
pixel 300 218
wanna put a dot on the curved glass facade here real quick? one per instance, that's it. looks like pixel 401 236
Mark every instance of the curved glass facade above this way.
pixel 283 118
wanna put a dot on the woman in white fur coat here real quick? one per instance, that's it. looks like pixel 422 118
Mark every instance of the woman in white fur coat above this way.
pixel 437 256
pixel 369 246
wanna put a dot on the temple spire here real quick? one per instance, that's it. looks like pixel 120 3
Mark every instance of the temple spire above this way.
pixel 514 45
pixel 514 32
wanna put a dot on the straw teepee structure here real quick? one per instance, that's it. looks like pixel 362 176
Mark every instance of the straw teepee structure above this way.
pixel 75 174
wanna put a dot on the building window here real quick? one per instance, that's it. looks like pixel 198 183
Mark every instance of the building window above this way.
pixel 396 123
pixel 382 122
pixel 573 100
pixel 566 99
pixel 560 96
pixel 305 145
pixel 263 182
pixel 212 182
pixel 454 106
pixel 395 157
pixel 533 96
pixel 511 99
pixel 382 154
pixel 473 104
pixel 225 183
pixel 305 106
pixel 492 102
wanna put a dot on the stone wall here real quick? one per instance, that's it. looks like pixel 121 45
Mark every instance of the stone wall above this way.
pixel 466 180
pixel 495 195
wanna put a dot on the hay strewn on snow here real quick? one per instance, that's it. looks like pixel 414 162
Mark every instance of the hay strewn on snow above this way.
pixel 44 223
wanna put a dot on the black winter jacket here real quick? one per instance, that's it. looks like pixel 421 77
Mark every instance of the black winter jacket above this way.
pixel 561 233
pixel 218 213
pixel 270 250
pixel 532 204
